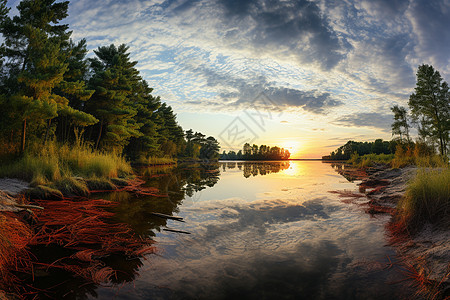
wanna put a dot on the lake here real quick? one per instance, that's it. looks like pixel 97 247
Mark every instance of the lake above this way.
pixel 258 230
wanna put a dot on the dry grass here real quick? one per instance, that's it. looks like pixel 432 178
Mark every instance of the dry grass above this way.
pixel 427 198
pixel 419 155
pixel 369 160
pixel 57 165
pixel 153 160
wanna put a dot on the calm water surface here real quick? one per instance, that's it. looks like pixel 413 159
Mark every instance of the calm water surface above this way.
pixel 258 231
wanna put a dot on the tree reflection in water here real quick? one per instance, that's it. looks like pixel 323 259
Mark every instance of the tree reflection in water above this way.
pixel 174 185
pixel 254 168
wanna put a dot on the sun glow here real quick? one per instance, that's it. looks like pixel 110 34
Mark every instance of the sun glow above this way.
pixel 293 147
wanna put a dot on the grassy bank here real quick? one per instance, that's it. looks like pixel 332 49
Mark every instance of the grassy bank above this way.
pixel 427 199
pixel 155 161
pixel 369 160
pixel 69 169
pixel 398 160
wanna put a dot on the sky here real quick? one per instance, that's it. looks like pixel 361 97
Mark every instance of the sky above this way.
pixel 304 75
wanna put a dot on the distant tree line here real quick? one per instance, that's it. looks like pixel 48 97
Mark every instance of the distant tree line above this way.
pixel 256 152
pixel 50 90
pixel 378 147
pixel 429 110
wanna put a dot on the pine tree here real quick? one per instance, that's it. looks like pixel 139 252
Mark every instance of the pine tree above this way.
pixel 430 106
pixel 32 42
pixel 400 126
pixel 113 78
pixel 73 88
pixel 145 104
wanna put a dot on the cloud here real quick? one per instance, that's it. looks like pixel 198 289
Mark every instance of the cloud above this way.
pixel 307 56
pixel 256 92
pixel 430 21
pixel 296 28
pixel 372 119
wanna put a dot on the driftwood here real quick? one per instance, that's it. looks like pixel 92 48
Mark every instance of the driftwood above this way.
pixel 28 206
pixel 177 231
pixel 180 219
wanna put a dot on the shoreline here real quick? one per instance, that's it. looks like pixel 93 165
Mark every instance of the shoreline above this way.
pixel 426 252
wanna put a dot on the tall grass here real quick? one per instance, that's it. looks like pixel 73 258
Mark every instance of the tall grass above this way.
pixel 153 160
pixel 369 160
pixel 420 155
pixel 57 162
pixel 427 198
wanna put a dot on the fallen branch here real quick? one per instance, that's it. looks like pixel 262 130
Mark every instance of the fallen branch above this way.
pixel 177 231
pixel 28 206
pixel 180 219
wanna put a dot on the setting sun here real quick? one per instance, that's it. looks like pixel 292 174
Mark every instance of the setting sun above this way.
pixel 293 147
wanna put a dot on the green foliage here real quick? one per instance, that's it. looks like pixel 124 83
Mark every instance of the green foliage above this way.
pixel 69 185
pixel 419 154
pixel 400 126
pixel 154 160
pixel 368 160
pixel 427 198
pixel 256 152
pixel 54 162
pixel 49 90
pixel 361 148
pixel 198 146
pixel 430 106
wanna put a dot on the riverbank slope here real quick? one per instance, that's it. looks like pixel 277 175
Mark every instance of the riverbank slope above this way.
pixel 427 248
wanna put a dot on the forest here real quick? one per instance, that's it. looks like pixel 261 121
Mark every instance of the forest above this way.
pixel 51 92
pixel 255 152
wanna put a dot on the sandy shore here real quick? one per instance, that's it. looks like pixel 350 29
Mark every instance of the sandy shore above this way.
pixel 428 250
pixel 8 189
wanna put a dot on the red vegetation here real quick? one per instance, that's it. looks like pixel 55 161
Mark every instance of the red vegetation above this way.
pixel 81 225
pixel 353 173
pixel 135 186
pixel 418 275
pixel 14 237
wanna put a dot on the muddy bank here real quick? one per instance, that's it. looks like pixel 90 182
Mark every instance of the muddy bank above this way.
pixel 428 249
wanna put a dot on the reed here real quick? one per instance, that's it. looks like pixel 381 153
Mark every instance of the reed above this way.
pixel 419 155
pixel 153 160
pixel 56 164
pixel 427 198
pixel 368 160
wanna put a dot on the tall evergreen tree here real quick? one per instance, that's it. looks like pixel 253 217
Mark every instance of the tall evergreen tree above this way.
pixel 145 104
pixel 400 126
pixel 73 88
pixel 430 105
pixel 36 64
pixel 114 75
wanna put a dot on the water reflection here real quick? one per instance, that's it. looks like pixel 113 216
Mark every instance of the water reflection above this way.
pixel 256 168
pixel 278 235
pixel 260 230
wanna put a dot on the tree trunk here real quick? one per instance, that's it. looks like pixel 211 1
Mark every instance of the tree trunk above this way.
pixel 24 133
pixel 49 123
pixel 441 140
pixel 99 134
